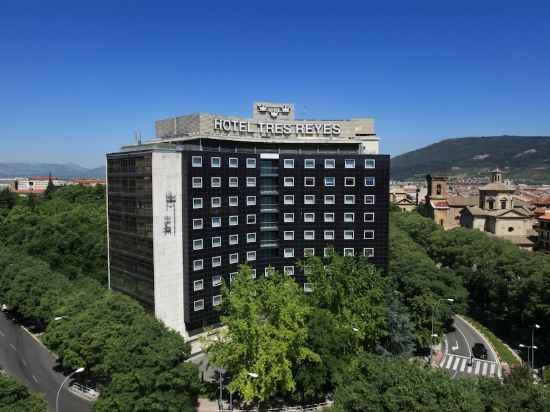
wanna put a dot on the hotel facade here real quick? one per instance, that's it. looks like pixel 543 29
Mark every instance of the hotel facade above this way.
pixel 212 192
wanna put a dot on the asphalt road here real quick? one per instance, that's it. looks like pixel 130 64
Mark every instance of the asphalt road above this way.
pixel 26 359
pixel 458 344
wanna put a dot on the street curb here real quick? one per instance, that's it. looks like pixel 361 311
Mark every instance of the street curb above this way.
pixel 485 340
pixel 32 335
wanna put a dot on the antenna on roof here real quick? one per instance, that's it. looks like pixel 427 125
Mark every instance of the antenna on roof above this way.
pixel 135 137
pixel 139 137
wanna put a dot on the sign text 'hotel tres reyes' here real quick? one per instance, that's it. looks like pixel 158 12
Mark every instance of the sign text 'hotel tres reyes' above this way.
pixel 282 129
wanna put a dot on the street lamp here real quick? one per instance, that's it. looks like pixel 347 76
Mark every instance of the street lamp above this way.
pixel 79 370
pixel 535 326
pixel 60 318
pixel 450 300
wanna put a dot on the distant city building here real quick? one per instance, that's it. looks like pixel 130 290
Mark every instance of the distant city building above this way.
pixel 37 184
pixel 400 198
pixel 543 230
pixel 8 183
pixel 211 192
pixel 87 182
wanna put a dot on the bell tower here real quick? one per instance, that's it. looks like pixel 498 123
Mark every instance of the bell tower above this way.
pixel 438 187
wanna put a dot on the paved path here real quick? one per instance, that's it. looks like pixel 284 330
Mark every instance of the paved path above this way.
pixel 459 344
pixel 29 361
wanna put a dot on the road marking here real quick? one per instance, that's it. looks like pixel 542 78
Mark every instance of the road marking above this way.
pixel 13 347
pixel 492 370
pixel 465 340
pixel 455 364
pixel 455 348
pixel 448 365
pixel 484 368
pixel 463 366
pixel 24 362
pixel 478 364
pixel 34 377
pixel 2 333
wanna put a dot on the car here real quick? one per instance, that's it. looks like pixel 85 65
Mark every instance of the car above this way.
pixel 480 351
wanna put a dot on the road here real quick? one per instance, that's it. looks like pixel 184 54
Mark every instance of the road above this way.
pixel 458 344
pixel 26 359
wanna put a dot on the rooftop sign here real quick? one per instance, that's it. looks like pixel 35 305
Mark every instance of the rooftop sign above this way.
pixel 281 129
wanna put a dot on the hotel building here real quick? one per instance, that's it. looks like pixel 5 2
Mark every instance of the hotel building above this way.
pixel 211 192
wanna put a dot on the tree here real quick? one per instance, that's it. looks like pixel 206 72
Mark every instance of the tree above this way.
pixel 14 397
pixel 266 334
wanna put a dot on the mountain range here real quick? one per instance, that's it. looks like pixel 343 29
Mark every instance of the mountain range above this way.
pixel 525 159
pixel 65 171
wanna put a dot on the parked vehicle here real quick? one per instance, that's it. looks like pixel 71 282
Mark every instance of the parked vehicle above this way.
pixel 480 351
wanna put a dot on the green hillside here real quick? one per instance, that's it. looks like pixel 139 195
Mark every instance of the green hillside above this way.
pixel 524 158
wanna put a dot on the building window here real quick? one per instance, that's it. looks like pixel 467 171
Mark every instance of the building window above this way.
pixel 349 234
pixel 288 217
pixel 308 287
pixel 233 239
pixel 349 217
pixel 232 276
pixel 370 181
pixel 330 163
pixel 233 220
pixel 196 161
pixel 216 300
pixel 309 163
pixel 234 258
pixel 503 204
pixel 251 200
pixel 215 162
pixel 198 264
pixel 368 234
pixel 253 273
pixel 269 271
pixel 328 251
pixel 251 163
pixel 369 199
pixel 289 182
pixel 289 199
pixel 329 181
pixel 349 199
pixel 309 199
pixel 233 162
pixel 309 234
pixel 197 244
pixel 216 261
pixel 216 181
pixel 309 217
pixel 216 241
pixel 370 163
pixel 250 237
pixel 309 181
pixel 349 163
pixel 251 256
pixel 288 235
pixel 198 305
pixel 216 202
pixel 197 203
pixel 198 285
pixel 329 235
pixel 368 217
pixel 348 251
pixel 216 280
pixel 233 200
pixel 329 217
pixel 438 189
pixel 197 224
pixel 197 182
pixel 309 251
pixel 288 252
pixel 251 219
pixel 288 163
pixel 368 252
pixel 251 181
pixel 216 221
pixel 233 182
pixel 349 181
pixel 289 270
pixel 308 270
pixel 330 199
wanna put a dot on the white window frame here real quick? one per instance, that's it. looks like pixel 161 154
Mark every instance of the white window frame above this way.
pixel 268 271
pixel 216 261
pixel 328 235
pixel 349 163
pixel 351 183
pixel 311 166
pixel 308 287
pixel 347 251
pixel 288 163
pixel 198 285
pixel 308 270
pixel 253 273
pixel 233 239
pixel 288 270
pixel 216 181
pixel 197 182
pixel 198 244
pixel 349 217
pixel 198 305
pixel 251 256
pixel 288 181
pixel 373 181
pixel 309 199
pixel 288 252
pixel 197 224
pixel 368 252
pixel 197 203
pixel 233 181
pixel 368 234
pixel 288 235
pixel 373 197
pixel 212 221
pixel 251 219
pixel 307 233
pixel 251 237
pixel 370 163
pixel 328 202
pixel 288 217
pixel 325 180
pixel 216 241
pixel 216 280
pixel 309 217
pixel 232 276
pixel 328 251
pixel 233 201
pixel 309 251
pixel 251 181
pixel 368 217
pixel 330 163
pixel 349 199
pixel 216 300
pixel 312 178
pixel 198 264
pixel 233 160
pixel 251 200
pixel 288 199
pixel 233 220
pixel 233 258
pixel 214 199
pixel 217 160
pixel 251 163
pixel 328 217
pixel 196 161
pixel 349 234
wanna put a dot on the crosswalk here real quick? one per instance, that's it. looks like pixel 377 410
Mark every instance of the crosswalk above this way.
pixel 479 367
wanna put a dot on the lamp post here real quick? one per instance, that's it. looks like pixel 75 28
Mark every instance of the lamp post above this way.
pixel 79 370
pixel 530 348
pixel 450 300
pixel 535 326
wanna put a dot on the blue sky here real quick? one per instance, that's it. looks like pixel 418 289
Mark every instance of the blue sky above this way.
pixel 78 78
